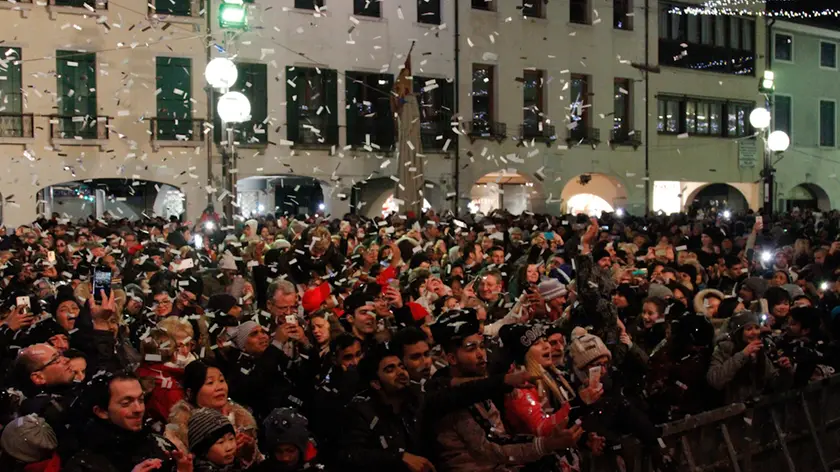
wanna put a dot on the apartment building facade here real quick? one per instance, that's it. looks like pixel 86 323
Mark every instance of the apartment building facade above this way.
pixel 101 108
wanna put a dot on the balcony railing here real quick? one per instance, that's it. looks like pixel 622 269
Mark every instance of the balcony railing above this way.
pixel 16 125
pixel 584 135
pixel 79 127
pixel 625 137
pixel 92 5
pixel 315 135
pixel 174 129
pixel 538 132
pixel 484 129
pixel 177 8
pixel 434 134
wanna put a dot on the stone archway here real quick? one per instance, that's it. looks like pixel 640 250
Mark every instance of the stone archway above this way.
pixel 121 198
pixel 808 196
pixel 284 194
pixel 719 195
pixel 593 194
pixel 506 189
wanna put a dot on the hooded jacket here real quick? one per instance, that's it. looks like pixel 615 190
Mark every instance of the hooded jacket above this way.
pixel 738 375
pixel 162 383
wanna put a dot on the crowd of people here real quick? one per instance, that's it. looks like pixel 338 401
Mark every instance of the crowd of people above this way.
pixel 407 342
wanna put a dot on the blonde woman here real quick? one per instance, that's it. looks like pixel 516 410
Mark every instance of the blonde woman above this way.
pixel 545 406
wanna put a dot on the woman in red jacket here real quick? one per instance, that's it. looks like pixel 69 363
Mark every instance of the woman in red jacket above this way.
pixel 159 375
pixel 541 408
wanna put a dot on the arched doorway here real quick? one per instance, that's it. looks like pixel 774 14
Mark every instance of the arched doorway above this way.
pixel 507 190
pixel 120 198
pixel 718 195
pixel 375 197
pixel 592 194
pixel 808 196
pixel 283 194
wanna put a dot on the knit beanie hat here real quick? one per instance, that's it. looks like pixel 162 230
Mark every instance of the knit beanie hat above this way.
pixel 239 334
pixel 551 289
pixel 221 302
pixel 29 439
pixel 742 320
pixel 757 285
pixel 204 428
pixel 660 291
pixel 285 426
pixel 599 254
pixel 586 347
pixel 518 339
pixel 455 325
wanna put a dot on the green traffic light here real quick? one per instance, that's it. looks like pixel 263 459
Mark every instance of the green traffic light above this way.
pixel 233 15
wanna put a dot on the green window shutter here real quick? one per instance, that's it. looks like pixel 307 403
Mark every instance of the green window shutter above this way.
pixel 253 83
pixel 292 104
pixel 76 76
pixel 174 90
pixel 352 100
pixel 331 88
pixel 11 121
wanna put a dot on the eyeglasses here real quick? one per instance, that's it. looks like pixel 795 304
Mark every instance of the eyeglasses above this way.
pixel 57 358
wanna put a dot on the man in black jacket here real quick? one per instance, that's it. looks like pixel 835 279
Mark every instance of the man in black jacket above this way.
pixel 115 439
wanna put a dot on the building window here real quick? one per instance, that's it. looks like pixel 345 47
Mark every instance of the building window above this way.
pixel 76 75
pixel 621 8
pixel 435 97
pixel 484 113
pixel 312 106
pixel 486 5
pixel 783 114
pixel 579 11
pixel 174 107
pixel 11 103
pixel 174 7
pixel 533 100
pixel 721 43
pixel 428 12
pixel 533 8
pixel 370 8
pixel 370 123
pixel 308 4
pixel 828 55
pixel 828 120
pixel 580 103
pixel 783 47
pixel 622 113
pixel 252 81
pixel 703 117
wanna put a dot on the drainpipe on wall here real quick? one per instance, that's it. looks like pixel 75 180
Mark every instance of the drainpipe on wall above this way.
pixel 457 173
pixel 211 108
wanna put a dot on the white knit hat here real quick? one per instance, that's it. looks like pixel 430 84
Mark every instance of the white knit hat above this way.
pixel 586 347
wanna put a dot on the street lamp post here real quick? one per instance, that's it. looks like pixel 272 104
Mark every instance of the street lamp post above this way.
pixel 774 142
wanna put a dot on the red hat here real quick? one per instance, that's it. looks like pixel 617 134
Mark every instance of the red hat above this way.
pixel 417 311
pixel 315 297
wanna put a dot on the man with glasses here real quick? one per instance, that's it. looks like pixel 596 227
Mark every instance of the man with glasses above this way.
pixel 45 376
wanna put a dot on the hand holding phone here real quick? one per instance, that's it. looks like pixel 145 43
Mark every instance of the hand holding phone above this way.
pixel 101 283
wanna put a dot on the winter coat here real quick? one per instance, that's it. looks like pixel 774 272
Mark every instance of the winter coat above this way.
pixel 162 385
pixel 595 286
pixel 109 448
pixel 180 414
pixel 739 376
pixel 374 436
pixel 526 413
pixel 677 386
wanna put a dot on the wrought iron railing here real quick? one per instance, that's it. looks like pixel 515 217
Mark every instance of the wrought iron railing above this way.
pixel 175 129
pixel 89 4
pixel 584 135
pixel 17 125
pixel 625 137
pixel 79 127
pixel 486 129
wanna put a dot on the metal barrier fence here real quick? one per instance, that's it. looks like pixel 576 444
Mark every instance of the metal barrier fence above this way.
pixel 795 431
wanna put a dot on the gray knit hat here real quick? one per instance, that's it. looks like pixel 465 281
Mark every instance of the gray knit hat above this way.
pixel 29 439
pixel 239 334
pixel 204 428
pixel 586 347
pixel 660 291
